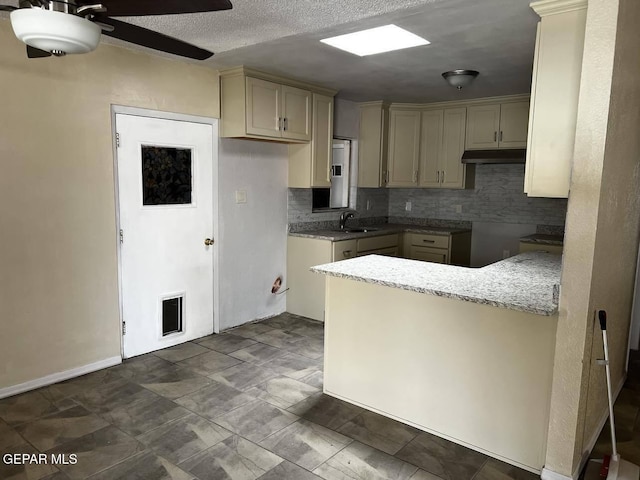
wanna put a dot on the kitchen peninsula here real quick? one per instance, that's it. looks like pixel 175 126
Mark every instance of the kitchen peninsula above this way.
pixel 466 354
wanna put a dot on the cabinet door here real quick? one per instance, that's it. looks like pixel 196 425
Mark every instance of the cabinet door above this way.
pixel 554 96
pixel 431 148
pixel 344 249
pixel 321 148
pixel 452 171
pixel 429 254
pixel 404 148
pixel 483 124
pixel 372 150
pixel 296 113
pixel 263 108
pixel 514 123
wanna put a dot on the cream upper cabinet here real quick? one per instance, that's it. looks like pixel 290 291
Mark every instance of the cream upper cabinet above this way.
pixel 431 135
pixel 278 110
pixel 514 122
pixel 296 113
pixel 310 163
pixel 441 148
pixel 404 148
pixel 372 144
pixel 497 126
pixel 483 124
pixel 554 97
pixel 452 171
pixel 262 106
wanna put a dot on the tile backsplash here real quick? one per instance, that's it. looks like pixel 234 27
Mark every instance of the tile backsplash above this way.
pixel 497 197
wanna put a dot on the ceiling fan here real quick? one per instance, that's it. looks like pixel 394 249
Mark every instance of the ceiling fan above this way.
pixel 60 27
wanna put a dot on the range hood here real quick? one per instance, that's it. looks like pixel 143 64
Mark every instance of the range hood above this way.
pixel 495 156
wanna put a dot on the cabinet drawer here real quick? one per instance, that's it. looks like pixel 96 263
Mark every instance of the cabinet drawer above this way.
pixel 539 247
pixel 391 252
pixel 427 254
pixel 344 249
pixel 428 240
pixel 377 243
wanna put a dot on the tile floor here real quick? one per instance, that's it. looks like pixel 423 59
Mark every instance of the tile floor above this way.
pixel 246 404
pixel 627 415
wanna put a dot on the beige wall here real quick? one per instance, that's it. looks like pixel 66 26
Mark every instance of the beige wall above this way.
pixel 601 240
pixel 58 267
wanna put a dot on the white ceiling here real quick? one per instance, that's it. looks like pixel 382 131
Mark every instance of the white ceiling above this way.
pixel 495 37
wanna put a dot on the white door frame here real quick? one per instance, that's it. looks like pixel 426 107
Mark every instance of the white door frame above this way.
pixel 214 122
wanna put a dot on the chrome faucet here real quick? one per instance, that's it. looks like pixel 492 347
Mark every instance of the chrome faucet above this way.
pixel 344 216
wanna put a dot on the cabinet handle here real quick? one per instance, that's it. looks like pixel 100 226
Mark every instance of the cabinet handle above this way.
pixel 346 253
pixel 500 135
pixel 442 179
pixel 285 123
pixel 279 123
pixel 495 136
pixel 438 176
pixel 428 241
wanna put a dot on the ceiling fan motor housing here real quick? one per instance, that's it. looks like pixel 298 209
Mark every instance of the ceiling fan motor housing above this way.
pixel 54 31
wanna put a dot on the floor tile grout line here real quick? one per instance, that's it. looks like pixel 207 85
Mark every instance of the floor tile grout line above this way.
pixel 480 469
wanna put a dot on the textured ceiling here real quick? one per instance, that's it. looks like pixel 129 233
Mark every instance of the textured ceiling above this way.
pixel 495 37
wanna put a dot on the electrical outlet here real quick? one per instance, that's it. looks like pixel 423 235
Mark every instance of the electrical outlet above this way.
pixel 506 253
pixel 241 196
pixel 407 206
pixel 369 204
pixel 458 208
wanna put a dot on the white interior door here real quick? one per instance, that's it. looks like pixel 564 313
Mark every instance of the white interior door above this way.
pixel 165 182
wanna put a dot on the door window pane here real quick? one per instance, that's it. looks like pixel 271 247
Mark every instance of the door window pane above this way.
pixel 166 176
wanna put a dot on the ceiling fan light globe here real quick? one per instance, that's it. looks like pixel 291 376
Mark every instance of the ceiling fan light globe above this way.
pixel 55 31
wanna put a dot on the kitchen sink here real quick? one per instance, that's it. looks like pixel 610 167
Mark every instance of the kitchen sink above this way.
pixel 357 230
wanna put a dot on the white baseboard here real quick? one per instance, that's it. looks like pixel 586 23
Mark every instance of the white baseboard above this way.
pixel 551 475
pixel 58 377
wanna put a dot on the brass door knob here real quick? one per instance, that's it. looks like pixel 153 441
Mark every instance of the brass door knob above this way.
pixel 208 242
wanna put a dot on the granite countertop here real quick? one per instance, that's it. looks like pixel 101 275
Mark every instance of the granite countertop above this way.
pixel 375 230
pixel 527 282
pixel 543 239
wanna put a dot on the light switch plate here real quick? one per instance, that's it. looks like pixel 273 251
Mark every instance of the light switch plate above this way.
pixel 407 206
pixel 241 196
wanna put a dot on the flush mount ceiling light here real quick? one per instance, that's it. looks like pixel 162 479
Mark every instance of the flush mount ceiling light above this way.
pixel 460 78
pixel 376 40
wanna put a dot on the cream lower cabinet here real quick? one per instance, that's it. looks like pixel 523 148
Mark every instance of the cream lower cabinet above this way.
pixel 502 125
pixel 310 163
pixel 454 249
pixel 539 247
pixel 307 289
pixel 372 144
pixel 381 245
pixel 442 140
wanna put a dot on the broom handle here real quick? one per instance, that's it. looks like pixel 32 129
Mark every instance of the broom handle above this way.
pixel 602 315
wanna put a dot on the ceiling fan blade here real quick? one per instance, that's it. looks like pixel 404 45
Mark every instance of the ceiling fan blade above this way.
pixel 133 8
pixel 33 52
pixel 7 8
pixel 148 38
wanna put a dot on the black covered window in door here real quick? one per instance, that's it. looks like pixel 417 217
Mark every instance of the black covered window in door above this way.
pixel 167 176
